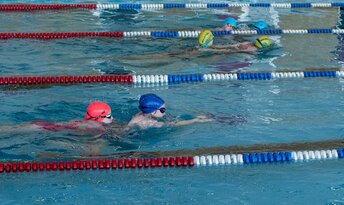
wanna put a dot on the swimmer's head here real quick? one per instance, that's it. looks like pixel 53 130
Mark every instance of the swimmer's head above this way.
pixel 230 22
pixel 205 39
pixel 261 25
pixel 263 42
pixel 99 112
pixel 152 104
pixel 228 27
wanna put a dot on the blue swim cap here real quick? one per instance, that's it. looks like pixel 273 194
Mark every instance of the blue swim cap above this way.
pixel 230 21
pixel 150 102
pixel 261 25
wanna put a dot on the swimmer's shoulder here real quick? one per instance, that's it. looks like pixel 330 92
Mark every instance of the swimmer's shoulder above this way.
pixel 144 121
pixel 136 119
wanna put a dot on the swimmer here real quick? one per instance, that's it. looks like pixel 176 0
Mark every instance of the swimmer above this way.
pixel 206 47
pixel 206 40
pixel 98 114
pixel 229 24
pixel 152 108
pixel 205 50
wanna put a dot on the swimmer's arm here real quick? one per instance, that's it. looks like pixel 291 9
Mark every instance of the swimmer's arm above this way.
pixel 161 124
pixel 235 47
pixel 189 52
pixel 26 127
pixel 225 46
pixel 245 47
pixel 147 56
pixel 182 123
pixel 222 49
pixel 8 128
pixel 188 122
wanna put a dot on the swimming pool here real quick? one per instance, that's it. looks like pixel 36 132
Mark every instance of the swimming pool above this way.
pixel 276 111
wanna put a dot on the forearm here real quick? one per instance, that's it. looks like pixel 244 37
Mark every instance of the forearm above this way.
pixel 225 46
pixel 184 122
pixel 222 49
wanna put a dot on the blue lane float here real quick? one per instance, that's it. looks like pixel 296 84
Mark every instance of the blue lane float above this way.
pixel 130 6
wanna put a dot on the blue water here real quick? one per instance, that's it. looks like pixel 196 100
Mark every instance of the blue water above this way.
pixel 276 111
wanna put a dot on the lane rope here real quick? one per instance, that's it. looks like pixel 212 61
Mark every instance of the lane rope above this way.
pixel 170 162
pixel 164 79
pixel 160 34
pixel 160 6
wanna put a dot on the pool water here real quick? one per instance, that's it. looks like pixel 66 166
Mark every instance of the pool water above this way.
pixel 276 111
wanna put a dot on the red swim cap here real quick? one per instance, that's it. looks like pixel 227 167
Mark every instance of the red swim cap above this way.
pixel 98 111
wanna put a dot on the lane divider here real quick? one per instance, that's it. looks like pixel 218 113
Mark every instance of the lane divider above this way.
pixel 160 34
pixel 160 6
pixel 163 79
pixel 169 162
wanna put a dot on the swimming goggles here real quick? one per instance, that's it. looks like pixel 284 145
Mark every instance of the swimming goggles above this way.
pixel 162 110
pixel 109 116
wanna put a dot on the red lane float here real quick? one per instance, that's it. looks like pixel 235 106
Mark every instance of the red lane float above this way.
pixel 46 80
pixel 60 35
pixel 31 7
pixel 132 163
